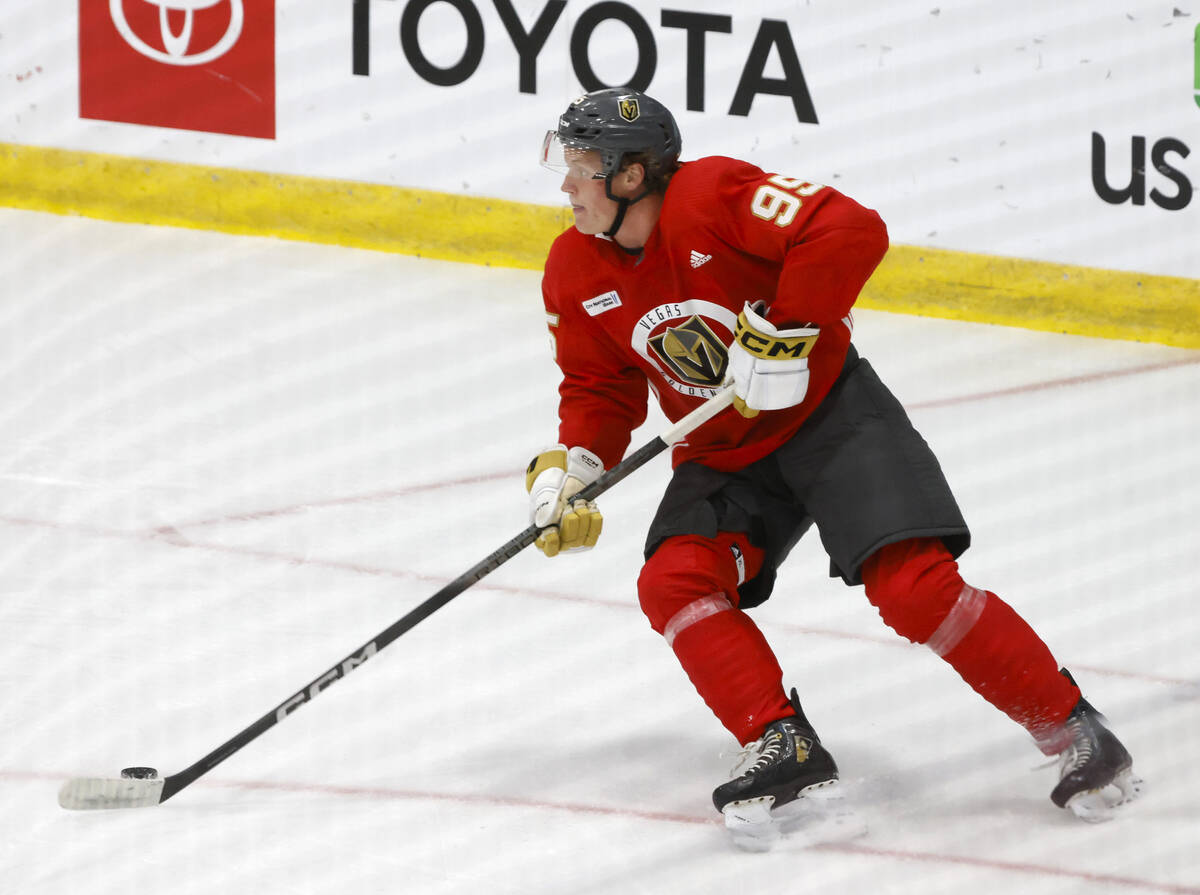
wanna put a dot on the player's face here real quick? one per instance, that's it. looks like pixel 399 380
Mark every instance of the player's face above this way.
pixel 594 211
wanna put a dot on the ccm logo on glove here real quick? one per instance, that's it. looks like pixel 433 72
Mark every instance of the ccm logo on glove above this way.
pixel 762 345
pixel 768 366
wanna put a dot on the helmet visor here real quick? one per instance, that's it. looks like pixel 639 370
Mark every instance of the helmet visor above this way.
pixel 571 161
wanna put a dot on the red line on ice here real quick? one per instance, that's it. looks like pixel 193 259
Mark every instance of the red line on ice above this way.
pixel 579 808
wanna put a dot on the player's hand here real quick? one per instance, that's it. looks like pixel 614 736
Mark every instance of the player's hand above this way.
pixel 553 479
pixel 768 366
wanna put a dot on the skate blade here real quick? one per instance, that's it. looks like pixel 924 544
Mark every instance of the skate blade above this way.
pixel 820 815
pixel 1099 805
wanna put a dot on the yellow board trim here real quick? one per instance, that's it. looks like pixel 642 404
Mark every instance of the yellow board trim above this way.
pixel 311 209
pixel 912 280
pixel 1038 295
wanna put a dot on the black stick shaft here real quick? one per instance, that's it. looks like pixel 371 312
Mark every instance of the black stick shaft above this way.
pixel 493 561
pixel 175 782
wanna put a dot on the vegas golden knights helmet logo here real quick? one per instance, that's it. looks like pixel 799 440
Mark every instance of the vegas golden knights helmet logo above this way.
pixel 692 352
pixel 628 107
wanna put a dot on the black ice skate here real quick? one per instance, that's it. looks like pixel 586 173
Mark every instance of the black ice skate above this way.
pixel 779 786
pixel 1095 770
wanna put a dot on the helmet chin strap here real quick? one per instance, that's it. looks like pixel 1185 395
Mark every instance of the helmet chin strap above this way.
pixel 623 204
pixel 622 207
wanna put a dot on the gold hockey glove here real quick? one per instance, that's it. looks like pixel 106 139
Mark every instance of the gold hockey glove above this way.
pixel 553 479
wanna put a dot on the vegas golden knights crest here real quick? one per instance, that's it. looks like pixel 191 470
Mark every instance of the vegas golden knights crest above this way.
pixel 692 353
pixel 628 107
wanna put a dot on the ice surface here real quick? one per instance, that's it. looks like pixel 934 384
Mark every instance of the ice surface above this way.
pixel 226 462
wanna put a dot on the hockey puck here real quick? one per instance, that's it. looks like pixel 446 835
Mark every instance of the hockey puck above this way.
pixel 140 773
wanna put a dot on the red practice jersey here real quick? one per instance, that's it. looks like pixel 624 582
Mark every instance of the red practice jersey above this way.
pixel 728 233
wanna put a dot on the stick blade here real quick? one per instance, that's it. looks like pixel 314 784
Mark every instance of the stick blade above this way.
pixel 93 793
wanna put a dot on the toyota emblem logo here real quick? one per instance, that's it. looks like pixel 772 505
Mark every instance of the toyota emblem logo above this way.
pixel 178 45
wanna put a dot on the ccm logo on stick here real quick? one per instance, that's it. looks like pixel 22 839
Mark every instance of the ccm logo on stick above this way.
pixel 324 681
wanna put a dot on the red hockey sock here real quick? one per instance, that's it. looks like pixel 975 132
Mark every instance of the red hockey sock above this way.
pixel 735 671
pixel 1006 663
pixel 688 590
pixel 917 588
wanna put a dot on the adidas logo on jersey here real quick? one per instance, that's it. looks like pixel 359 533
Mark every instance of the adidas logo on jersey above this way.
pixel 698 259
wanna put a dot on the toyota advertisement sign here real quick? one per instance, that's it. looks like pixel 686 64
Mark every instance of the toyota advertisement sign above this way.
pixel 200 65
pixel 967 127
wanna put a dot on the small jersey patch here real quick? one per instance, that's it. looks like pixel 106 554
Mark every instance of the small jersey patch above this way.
pixel 602 303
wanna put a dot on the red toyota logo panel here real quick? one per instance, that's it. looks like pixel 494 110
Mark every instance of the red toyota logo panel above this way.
pixel 202 65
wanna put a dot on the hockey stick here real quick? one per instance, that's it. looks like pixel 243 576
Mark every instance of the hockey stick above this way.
pixel 142 787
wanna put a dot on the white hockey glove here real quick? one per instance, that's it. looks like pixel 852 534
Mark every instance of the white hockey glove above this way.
pixel 768 366
pixel 553 479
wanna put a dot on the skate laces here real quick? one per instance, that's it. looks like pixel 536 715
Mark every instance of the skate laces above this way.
pixel 760 754
pixel 1077 753
pixel 1083 744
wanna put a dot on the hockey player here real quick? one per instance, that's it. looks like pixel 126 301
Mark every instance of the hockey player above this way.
pixel 680 277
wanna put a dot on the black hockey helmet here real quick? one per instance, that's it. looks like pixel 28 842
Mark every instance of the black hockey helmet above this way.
pixel 616 122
